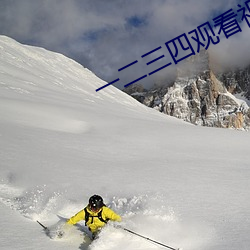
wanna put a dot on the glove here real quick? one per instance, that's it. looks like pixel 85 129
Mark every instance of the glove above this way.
pixel 60 234
pixel 62 229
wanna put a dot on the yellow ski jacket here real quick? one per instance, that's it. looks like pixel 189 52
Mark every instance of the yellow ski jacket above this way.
pixel 94 223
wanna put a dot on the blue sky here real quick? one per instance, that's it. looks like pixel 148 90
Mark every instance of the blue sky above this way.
pixel 105 35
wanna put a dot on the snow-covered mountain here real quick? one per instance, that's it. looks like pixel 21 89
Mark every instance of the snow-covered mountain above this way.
pixel 200 96
pixel 60 142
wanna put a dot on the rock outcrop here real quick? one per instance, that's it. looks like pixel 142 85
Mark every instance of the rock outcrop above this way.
pixel 201 97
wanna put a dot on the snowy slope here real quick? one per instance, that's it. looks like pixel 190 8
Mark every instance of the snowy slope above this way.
pixel 61 142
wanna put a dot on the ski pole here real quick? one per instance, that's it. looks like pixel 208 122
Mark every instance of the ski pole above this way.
pixel 146 238
pixel 45 228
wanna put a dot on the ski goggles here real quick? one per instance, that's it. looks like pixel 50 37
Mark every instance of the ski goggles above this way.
pixel 94 208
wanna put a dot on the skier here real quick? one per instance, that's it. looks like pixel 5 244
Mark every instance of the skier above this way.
pixel 95 214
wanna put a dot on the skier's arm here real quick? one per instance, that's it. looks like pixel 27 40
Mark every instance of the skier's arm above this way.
pixel 110 214
pixel 77 217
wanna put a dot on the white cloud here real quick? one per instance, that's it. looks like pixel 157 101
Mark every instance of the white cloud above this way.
pixel 233 52
pixel 97 32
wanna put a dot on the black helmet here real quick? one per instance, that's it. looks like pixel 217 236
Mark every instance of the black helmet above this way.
pixel 96 202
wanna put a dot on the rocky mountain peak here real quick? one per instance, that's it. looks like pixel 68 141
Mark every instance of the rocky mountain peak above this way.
pixel 194 65
pixel 200 96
